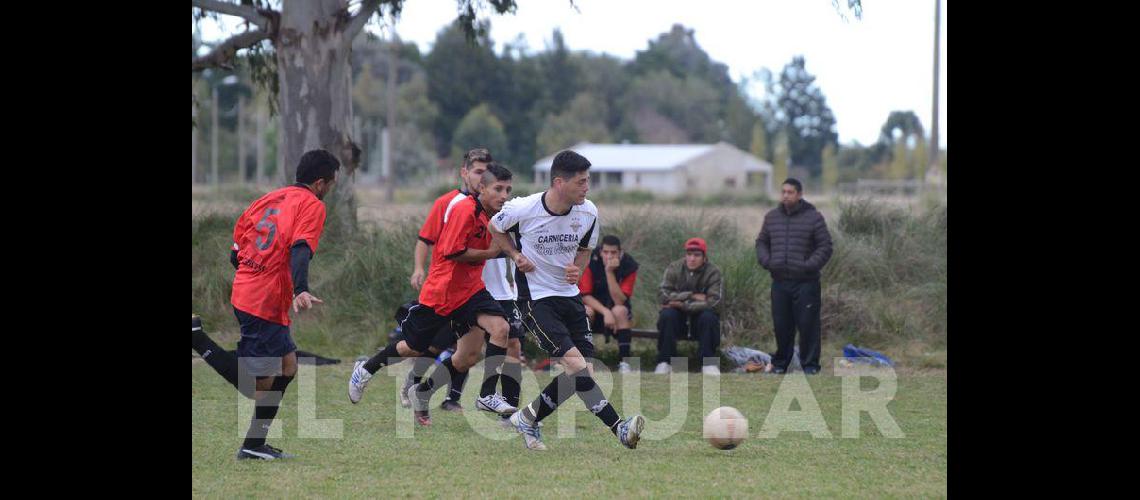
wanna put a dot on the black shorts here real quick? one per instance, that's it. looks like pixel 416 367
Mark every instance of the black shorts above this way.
pixel 444 338
pixel 423 324
pixel 558 324
pixel 598 324
pixel 262 345
pixel 514 319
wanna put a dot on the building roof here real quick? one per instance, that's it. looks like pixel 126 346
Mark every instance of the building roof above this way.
pixel 632 157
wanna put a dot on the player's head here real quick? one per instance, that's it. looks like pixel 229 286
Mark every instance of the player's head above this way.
pixel 495 187
pixel 474 164
pixel 611 247
pixel 317 169
pixel 791 192
pixel 570 176
pixel 696 253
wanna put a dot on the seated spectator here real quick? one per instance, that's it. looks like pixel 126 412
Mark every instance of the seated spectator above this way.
pixel 607 287
pixel 690 298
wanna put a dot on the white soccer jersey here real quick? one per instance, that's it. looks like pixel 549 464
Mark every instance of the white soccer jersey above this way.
pixel 549 240
pixel 495 278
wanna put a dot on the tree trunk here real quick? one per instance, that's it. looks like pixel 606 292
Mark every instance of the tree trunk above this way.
pixel 390 107
pixel 260 145
pixel 315 98
pixel 933 152
pixel 194 145
pixel 241 139
pixel 214 137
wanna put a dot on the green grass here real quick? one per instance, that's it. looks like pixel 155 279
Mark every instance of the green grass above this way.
pixel 450 459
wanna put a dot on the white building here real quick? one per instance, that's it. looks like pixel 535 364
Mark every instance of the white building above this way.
pixel 670 169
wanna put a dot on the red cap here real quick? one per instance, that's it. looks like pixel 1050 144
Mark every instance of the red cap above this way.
pixel 696 244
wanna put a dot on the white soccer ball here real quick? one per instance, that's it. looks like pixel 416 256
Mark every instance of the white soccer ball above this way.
pixel 725 427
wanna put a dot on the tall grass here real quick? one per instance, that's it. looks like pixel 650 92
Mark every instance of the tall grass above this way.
pixel 884 288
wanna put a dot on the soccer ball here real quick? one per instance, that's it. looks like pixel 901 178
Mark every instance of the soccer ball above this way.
pixel 725 427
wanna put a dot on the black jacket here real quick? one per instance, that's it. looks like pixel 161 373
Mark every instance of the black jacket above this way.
pixel 795 244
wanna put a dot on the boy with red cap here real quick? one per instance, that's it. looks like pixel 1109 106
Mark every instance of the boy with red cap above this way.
pixel 690 297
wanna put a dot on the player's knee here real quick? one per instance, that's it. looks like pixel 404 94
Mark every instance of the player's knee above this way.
pixel 465 361
pixel 289 365
pixel 574 363
pixel 499 331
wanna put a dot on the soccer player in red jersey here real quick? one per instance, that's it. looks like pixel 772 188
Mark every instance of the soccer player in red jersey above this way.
pixel 454 294
pixel 470 172
pixel 273 241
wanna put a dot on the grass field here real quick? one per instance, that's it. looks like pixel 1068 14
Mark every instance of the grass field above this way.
pixel 453 459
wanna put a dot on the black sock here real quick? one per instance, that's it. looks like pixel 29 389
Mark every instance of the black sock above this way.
pixel 427 387
pixel 221 360
pixel 592 395
pixel 458 378
pixel 512 382
pixel 624 337
pixel 494 358
pixel 420 366
pixel 556 392
pixel 264 412
pixel 380 360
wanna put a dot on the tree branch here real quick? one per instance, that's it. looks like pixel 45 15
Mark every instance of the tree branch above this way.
pixel 249 14
pixel 221 55
pixel 367 8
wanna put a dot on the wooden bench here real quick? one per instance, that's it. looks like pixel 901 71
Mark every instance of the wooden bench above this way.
pixel 641 333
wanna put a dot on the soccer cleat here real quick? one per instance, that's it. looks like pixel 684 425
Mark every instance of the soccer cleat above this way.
pixel 629 431
pixel 358 382
pixel 623 367
pixel 404 401
pixel 421 408
pixel 195 323
pixel 532 437
pixel 505 422
pixel 452 406
pixel 710 370
pixel 495 403
pixel 263 452
pixel 663 368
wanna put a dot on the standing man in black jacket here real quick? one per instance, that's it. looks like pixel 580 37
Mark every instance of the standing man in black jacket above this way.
pixel 793 246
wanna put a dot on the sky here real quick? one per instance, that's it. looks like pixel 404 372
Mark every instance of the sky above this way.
pixel 866 68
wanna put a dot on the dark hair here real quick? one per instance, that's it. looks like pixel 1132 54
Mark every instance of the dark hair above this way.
pixel 795 183
pixel 317 164
pixel 567 164
pixel 611 240
pixel 496 172
pixel 477 154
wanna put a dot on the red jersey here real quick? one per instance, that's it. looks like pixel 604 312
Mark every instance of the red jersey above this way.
pixel 586 283
pixel 263 283
pixel 449 283
pixel 439 215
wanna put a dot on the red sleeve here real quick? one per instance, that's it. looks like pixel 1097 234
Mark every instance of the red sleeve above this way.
pixel 627 284
pixel 309 225
pixel 453 239
pixel 433 226
pixel 239 230
pixel 586 282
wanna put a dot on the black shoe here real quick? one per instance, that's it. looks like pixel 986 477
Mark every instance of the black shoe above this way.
pixel 811 371
pixel 778 371
pixel 263 452
pixel 449 405
pixel 195 323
